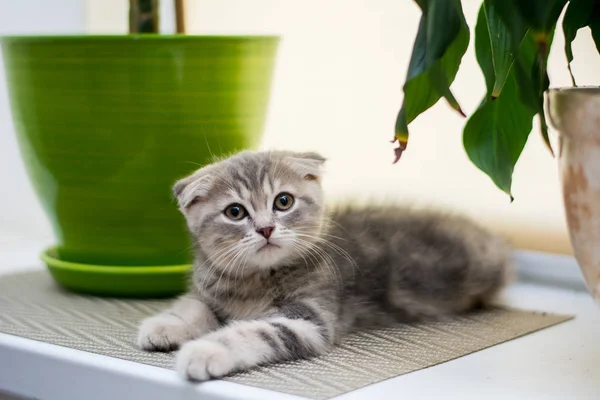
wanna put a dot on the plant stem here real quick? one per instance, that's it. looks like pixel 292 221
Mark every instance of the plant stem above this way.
pixel 180 16
pixel 143 16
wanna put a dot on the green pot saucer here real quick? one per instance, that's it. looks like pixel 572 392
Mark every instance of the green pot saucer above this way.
pixel 117 281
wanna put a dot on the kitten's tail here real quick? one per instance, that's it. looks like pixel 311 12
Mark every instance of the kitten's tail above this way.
pixel 492 269
pixel 477 266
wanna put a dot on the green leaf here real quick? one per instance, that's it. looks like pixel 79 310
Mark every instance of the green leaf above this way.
pixel 440 83
pixel 540 15
pixel 401 134
pixel 505 41
pixel 434 62
pixel 528 73
pixel 533 80
pixel 537 16
pixel 594 24
pixel 483 51
pixel 496 133
pixel 436 55
pixel 576 17
pixel 509 14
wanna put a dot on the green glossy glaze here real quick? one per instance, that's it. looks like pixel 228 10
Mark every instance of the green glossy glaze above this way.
pixel 106 124
pixel 121 281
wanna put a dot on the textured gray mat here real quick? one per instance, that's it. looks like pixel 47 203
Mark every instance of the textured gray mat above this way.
pixel 32 306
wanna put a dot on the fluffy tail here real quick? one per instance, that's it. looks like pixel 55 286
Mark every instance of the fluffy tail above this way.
pixel 459 266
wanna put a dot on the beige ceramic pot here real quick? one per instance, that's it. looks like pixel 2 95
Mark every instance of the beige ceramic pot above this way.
pixel 575 113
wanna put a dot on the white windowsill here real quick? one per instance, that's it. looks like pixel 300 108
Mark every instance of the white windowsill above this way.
pixel 556 363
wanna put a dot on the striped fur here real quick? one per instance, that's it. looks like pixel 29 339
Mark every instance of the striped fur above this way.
pixel 323 275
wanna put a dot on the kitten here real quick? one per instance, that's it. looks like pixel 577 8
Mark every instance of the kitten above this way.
pixel 277 278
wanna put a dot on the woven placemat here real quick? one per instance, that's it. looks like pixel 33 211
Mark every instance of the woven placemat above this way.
pixel 34 307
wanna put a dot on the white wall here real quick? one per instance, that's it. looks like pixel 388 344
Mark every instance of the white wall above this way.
pixel 337 90
pixel 20 212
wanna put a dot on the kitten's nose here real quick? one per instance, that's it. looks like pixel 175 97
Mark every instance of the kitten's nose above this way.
pixel 266 231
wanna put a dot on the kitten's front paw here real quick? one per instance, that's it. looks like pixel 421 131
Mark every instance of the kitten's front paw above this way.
pixel 162 333
pixel 202 360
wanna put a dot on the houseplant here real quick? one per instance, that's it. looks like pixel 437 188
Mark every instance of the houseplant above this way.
pixel 512 42
pixel 106 124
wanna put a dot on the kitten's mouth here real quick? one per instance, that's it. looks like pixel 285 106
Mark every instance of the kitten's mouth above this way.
pixel 268 246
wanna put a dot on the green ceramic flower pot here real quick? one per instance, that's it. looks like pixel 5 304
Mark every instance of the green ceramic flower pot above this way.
pixel 106 124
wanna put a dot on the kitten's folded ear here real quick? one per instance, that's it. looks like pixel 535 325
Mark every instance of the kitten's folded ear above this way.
pixel 191 189
pixel 309 165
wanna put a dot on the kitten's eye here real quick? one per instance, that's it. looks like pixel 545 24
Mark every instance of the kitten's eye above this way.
pixel 283 201
pixel 235 212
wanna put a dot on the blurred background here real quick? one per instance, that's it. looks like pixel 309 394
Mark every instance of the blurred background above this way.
pixel 337 89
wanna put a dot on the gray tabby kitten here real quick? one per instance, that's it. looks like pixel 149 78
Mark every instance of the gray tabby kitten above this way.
pixel 277 278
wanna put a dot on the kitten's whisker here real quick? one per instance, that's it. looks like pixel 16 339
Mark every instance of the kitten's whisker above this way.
pixel 194 163
pixel 241 266
pixel 299 251
pixel 226 268
pixel 330 220
pixel 217 254
pixel 215 260
pixel 303 249
pixel 332 246
pixel 303 227
pixel 188 248
pixel 217 284
pixel 243 259
pixel 212 155
pixel 339 250
pixel 327 260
